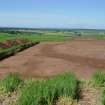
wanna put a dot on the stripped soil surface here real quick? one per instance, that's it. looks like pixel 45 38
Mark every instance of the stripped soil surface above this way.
pixel 83 57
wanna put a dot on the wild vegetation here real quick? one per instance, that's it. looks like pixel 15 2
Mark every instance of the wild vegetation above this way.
pixel 62 89
pixel 47 91
pixel 41 92
pixel 99 81
pixel 11 82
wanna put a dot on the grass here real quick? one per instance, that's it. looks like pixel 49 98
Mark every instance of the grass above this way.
pixel 98 79
pixel 4 37
pixel 35 38
pixel 66 84
pixel 59 37
pixel 47 91
pixel 48 38
pixel 54 35
pixel 61 89
pixel 11 82
pixel 103 97
pixel 31 94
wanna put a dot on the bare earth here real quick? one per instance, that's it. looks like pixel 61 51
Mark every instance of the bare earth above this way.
pixel 83 57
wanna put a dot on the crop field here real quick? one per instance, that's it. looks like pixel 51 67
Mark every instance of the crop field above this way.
pixel 11 43
pixel 35 38
pixel 52 67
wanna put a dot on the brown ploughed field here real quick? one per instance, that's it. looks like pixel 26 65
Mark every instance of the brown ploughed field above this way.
pixel 83 57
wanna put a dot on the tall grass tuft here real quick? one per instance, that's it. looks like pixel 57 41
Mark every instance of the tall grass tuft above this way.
pixel 32 94
pixel 45 92
pixel 98 79
pixel 11 82
pixel 103 97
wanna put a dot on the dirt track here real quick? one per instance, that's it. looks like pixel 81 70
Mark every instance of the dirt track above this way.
pixel 83 57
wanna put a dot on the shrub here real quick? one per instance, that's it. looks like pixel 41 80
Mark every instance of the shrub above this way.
pixel 11 82
pixel 98 79
pixel 66 101
pixel 46 92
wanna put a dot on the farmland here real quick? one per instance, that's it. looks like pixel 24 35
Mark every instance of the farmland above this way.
pixel 6 39
pixel 55 66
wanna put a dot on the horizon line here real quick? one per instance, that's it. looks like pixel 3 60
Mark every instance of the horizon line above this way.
pixel 13 27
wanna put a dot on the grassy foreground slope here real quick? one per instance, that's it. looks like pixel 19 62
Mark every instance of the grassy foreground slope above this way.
pixel 40 92
pixel 63 89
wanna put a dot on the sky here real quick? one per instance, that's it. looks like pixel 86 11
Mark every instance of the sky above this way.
pixel 52 13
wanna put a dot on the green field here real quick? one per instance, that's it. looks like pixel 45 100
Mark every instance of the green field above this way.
pixel 35 38
pixel 50 34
